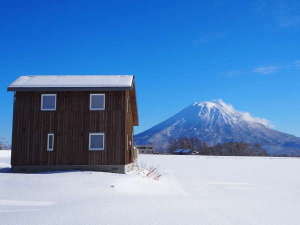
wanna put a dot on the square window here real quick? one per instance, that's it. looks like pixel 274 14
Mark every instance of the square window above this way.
pixel 96 141
pixel 48 102
pixel 50 142
pixel 97 101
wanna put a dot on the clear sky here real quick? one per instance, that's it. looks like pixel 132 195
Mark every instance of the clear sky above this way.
pixel 244 52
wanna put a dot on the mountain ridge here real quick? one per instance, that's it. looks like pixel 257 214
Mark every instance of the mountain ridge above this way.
pixel 217 122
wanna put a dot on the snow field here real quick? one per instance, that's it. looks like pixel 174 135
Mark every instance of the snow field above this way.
pixel 192 190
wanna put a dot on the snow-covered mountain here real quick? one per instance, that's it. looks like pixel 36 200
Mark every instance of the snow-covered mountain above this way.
pixel 217 122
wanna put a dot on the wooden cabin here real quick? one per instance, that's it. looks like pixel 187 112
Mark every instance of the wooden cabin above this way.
pixel 73 122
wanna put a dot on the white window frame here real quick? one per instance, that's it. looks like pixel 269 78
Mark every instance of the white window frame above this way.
pixel 94 109
pixel 96 149
pixel 48 139
pixel 42 95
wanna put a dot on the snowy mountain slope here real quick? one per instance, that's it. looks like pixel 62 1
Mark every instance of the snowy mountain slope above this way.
pixel 217 122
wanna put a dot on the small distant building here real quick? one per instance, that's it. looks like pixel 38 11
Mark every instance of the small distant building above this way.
pixel 74 122
pixel 182 151
pixel 145 149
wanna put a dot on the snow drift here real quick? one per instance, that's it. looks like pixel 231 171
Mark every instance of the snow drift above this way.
pixel 206 190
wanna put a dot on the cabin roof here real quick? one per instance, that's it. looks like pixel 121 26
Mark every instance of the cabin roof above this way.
pixel 72 82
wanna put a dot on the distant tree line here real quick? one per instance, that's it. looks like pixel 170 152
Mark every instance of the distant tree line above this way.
pixel 3 144
pixel 225 149
pixel 194 144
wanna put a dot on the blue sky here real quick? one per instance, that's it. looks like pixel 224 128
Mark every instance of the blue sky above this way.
pixel 244 52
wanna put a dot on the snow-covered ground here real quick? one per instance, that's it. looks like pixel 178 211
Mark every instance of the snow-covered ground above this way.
pixel 193 190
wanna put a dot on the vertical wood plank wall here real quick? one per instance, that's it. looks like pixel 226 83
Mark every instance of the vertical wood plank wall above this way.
pixel 131 154
pixel 71 124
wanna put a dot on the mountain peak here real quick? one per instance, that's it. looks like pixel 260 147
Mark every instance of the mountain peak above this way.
pixel 217 102
pixel 228 112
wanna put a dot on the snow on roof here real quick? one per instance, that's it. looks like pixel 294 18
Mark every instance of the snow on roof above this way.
pixel 72 81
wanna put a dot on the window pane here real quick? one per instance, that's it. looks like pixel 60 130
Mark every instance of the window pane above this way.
pixel 48 102
pixel 97 101
pixel 96 141
pixel 50 141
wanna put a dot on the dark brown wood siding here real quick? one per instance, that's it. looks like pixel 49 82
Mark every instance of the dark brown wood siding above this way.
pixel 130 153
pixel 71 124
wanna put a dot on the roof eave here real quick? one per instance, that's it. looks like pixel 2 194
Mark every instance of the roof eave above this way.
pixel 68 88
